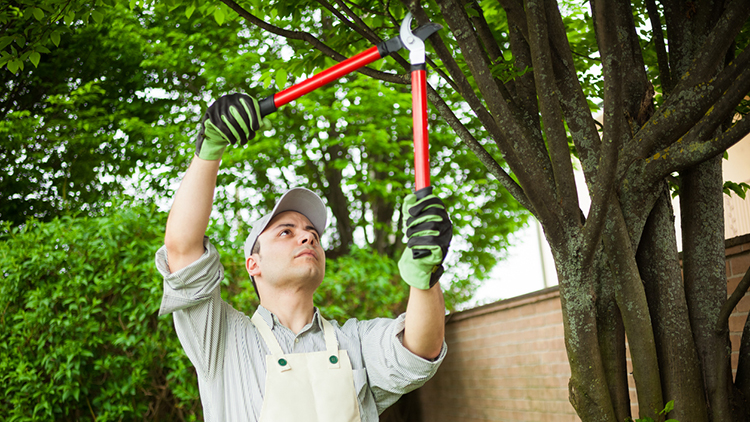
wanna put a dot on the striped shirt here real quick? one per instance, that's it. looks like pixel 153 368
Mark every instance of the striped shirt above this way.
pixel 229 354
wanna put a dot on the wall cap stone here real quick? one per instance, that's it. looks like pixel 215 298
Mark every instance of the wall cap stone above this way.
pixel 501 305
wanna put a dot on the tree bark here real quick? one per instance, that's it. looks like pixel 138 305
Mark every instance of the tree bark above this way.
pixel 611 338
pixel 631 300
pixel 678 360
pixel 588 389
pixel 704 267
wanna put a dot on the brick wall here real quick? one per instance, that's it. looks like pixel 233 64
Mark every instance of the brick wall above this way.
pixel 507 362
pixel 738 262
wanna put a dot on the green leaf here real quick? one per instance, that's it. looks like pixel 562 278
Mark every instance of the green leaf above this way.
pixel 219 15
pixel 38 13
pixel 667 408
pixel 98 16
pixel 14 65
pixel 281 78
pixel 189 11
pixel 55 37
pixel 5 41
pixel 35 57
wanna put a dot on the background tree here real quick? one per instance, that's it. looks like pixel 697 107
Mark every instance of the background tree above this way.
pixel 115 107
pixel 524 68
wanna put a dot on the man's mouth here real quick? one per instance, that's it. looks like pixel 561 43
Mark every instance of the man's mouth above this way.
pixel 306 252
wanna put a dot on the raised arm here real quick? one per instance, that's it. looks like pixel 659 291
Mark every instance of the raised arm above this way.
pixel 429 230
pixel 188 218
pixel 231 119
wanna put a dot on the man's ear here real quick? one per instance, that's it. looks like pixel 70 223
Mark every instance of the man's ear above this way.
pixel 251 264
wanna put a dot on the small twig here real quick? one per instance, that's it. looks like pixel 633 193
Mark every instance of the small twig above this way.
pixel 585 56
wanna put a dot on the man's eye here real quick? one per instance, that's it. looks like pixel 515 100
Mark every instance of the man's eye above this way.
pixel 285 232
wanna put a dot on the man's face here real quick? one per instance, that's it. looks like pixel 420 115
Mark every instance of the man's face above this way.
pixel 290 253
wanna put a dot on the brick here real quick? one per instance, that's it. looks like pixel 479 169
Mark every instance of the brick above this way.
pixel 735 339
pixel 744 304
pixel 739 264
pixel 734 250
pixel 728 269
pixel 737 323
pixel 732 283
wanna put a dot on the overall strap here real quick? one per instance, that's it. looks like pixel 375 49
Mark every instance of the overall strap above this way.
pixel 332 345
pixel 267 334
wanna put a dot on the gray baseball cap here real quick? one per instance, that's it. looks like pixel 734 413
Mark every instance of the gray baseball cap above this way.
pixel 302 200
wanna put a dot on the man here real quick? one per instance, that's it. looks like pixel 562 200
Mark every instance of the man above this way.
pixel 288 363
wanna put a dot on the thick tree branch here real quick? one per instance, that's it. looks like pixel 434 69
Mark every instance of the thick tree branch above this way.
pixel 499 136
pixel 549 104
pixel 711 54
pixel 631 300
pixel 614 127
pixel 516 15
pixel 531 164
pixel 679 157
pixel 662 58
pixel 485 34
pixel 722 324
pixel 581 123
pixel 681 112
pixel 693 148
pixel 524 87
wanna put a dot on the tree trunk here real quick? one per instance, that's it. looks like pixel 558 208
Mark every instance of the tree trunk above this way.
pixel 587 387
pixel 705 279
pixel 611 338
pixel 678 360
pixel 631 300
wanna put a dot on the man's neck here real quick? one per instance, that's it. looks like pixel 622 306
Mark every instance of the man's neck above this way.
pixel 293 311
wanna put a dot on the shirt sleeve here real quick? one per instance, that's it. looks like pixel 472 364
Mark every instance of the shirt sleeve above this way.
pixel 193 296
pixel 393 370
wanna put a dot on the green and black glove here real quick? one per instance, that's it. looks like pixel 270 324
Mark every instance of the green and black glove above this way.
pixel 429 230
pixel 230 119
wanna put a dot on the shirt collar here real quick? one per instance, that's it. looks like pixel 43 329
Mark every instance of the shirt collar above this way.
pixel 271 319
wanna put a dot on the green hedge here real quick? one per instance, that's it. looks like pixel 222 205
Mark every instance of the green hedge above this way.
pixel 79 334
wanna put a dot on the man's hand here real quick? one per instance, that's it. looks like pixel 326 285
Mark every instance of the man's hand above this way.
pixel 429 230
pixel 230 119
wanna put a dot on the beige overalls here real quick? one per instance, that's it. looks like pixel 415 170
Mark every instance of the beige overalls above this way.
pixel 307 387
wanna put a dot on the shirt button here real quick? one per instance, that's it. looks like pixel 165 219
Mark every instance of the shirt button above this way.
pixel 296 340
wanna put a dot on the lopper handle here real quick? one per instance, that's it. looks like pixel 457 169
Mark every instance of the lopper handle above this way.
pixel 421 138
pixel 271 103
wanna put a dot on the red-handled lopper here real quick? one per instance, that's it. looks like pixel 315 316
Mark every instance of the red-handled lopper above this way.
pixel 415 45
pixel 271 103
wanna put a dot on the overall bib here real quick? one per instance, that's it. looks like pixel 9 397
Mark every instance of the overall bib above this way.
pixel 307 387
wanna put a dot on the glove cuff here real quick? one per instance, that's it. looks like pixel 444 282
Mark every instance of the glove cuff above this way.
pixel 421 273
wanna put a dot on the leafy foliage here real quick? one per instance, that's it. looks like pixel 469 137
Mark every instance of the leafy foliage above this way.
pixel 738 188
pixel 75 128
pixel 79 335
pixel 31 28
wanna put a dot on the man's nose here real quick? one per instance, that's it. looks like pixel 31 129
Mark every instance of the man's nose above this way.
pixel 307 237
